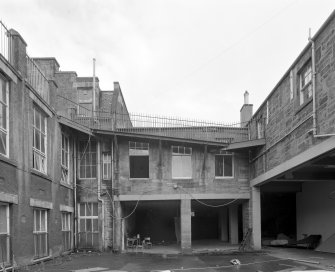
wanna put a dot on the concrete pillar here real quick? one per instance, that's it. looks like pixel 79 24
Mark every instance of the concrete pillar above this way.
pixel 185 226
pixel 256 217
pixel 117 239
pixel 233 224
pixel 223 224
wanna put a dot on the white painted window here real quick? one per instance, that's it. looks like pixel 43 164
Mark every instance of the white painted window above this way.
pixel 41 244
pixel 66 231
pixel 138 160
pixel 260 128
pixel 181 162
pixel 305 79
pixel 224 165
pixel 291 85
pixel 4 234
pixel 65 159
pixel 87 159
pixel 267 112
pixel 88 225
pixel 4 117
pixel 39 141
pixel 106 165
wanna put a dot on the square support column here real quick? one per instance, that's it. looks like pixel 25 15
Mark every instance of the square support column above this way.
pixel 117 227
pixel 185 226
pixel 256 218
pixel 223 224
pixel 233 224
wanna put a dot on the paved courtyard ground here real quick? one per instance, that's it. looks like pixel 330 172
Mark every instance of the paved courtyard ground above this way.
pixel 257 262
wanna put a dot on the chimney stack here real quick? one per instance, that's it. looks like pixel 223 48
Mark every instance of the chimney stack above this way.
pixel 246 110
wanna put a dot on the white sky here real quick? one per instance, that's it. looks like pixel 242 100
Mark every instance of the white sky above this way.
pixel 186 58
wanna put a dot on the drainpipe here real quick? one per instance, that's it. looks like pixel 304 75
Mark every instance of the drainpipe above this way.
pixel 74 156
pixel 313 82
pixel 93 95
pixel 99 196
pixel 314 129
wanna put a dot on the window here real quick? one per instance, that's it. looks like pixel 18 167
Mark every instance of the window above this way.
pixel 224 165
pixel 4 234
pixel 106 165
pixel 267 112
pixel 87 159
pixel 139 160
pixel 305 78
pixel 4 114
pixel 291 85
pixel 66 231
pixel 39 141
pixel 41 233
pixel 65 159
pixel 260 128
pixel 181 162
pixel 88 225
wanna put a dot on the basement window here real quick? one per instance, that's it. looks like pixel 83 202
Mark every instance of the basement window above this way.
pixel 181 162
pixel 66 231
pixel 305 81
pixel 139 160
pixel 224 165
pixel 4 234
pixel 41 233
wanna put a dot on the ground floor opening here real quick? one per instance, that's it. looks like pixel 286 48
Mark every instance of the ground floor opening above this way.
pixel 187 223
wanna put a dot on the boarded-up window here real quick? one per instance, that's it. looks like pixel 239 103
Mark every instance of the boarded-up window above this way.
pixel 88 225
pixel 139 160
pixel 224 166
pixel 181 162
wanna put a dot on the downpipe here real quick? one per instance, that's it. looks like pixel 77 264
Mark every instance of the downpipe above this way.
pixel 99 197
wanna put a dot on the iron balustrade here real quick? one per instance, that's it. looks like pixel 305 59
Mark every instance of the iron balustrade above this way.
pixel 37 79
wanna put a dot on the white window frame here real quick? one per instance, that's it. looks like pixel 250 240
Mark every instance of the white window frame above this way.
pixel 84 162
pixel 291 85
pixel 260 128
pixel 7 259
pixel 40 157
pixel 65 157
pixel 106 165
pixel 5 130
pixel 267 111
pixel 88 206
pixel 223 155
pixel 66 229
pixel 40 232
pixel 305 82
pixel 184 154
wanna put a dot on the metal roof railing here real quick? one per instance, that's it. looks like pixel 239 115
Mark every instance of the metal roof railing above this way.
pixel 6 48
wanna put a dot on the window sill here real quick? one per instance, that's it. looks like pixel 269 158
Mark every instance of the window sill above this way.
pixel 37 260
pixel 139 179
pixel 40 174
pixel 7 160
pixel 301 107
pixel 190 178
pixel 67 185
pixel 221 178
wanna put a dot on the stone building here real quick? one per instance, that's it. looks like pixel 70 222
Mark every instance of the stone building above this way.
pixel 78 171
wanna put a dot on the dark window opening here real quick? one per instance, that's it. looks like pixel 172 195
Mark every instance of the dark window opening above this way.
pixel 139 166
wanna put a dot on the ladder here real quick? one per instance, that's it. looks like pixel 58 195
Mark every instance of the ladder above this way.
pixel 246 240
